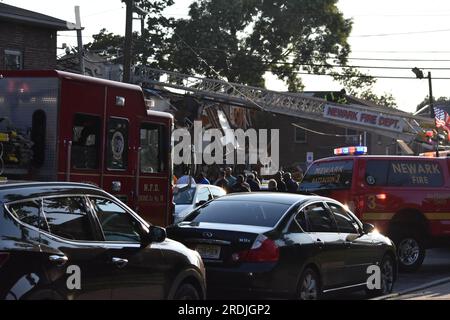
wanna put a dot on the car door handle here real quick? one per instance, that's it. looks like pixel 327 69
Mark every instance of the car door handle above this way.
pixel 58 260
pixel 119 262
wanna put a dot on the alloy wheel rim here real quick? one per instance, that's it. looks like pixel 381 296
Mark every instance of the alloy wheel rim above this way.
pixel 408 251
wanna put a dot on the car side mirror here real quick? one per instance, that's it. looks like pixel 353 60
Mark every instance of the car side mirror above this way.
pixel 368 228
pixel 200 203
pixel 154 234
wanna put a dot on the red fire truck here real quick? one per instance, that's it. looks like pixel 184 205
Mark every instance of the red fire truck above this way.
pixel 405 197
pixel 58 126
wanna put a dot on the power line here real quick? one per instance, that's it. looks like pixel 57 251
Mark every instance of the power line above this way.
pixel 102 12
pixel 403 51
pixel 399 59
pixel 357 67
pixel 398 33
pixel 365 76
pixel 323 133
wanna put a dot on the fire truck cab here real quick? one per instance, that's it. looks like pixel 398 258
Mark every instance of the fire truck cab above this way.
pixel 405 197
pixel 58 126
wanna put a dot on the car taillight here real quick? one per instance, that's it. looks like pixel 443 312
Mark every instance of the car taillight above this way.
pixel 3 258
pixel 263 250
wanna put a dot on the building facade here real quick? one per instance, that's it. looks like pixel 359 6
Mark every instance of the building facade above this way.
pixel 28 40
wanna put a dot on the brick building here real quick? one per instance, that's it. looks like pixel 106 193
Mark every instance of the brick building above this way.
pixel 28 39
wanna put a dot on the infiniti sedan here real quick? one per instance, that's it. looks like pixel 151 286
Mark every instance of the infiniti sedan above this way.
pixel 75 241
pixel 287 245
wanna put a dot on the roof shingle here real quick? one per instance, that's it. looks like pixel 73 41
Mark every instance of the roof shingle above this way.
pixel 11 13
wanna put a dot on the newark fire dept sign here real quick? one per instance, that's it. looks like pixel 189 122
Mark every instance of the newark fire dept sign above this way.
pixel 366 118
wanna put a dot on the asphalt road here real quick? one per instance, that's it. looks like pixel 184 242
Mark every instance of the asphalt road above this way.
pixel 436 266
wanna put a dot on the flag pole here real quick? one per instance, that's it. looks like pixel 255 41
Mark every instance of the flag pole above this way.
pixel 432 113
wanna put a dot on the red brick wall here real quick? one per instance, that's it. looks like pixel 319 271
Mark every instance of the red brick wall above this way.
pixel 38 45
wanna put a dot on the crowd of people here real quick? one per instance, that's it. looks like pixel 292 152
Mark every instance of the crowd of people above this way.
pixel 250 182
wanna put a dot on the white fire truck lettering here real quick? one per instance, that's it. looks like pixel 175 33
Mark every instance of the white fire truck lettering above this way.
pixel 412 168
pixel 422 169
pixel 435 168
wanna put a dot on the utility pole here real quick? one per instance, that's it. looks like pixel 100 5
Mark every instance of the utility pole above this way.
pixel 430 87
pixel 128 45
pixel 79 38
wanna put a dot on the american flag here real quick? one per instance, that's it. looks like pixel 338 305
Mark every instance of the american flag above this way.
pixel 442 120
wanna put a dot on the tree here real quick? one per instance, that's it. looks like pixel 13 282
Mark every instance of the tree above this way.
pixel 241 40
pixel 361 85
pixel 146 46
pixel 106 41
pixel 426 101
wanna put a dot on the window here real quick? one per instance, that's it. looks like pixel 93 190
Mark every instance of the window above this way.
pixel 319 219
pixel 353 137
pixel 301 221
pixel 68 217
pixel 86 142
pixel 263 214
pixel 344 221
pixel 29 213
pixel 217 193
pixel 203 195
pixel 183 195
pixel 415 174
pixel 377 172
pixel 13 60
pixel 300 135
pixel 117 155
pixel 328 176
pixel 152 152
pixel 117 224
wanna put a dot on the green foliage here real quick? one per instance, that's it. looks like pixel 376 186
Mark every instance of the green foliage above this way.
pixel 361 85
pixel 146 46
pixel 426 101
pixel 244 39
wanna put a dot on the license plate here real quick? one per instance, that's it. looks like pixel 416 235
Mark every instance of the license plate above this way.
pixel 208 251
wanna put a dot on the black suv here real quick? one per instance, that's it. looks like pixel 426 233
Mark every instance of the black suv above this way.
pixel 75 241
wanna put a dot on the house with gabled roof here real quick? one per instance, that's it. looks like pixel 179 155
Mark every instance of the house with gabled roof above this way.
pixel 28 39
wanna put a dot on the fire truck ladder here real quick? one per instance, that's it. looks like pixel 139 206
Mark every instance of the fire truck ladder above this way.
pixel 284 103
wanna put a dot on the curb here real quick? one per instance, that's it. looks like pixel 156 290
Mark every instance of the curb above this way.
pixel 411 290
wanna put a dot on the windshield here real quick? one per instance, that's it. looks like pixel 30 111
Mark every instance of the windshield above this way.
pixel 261 214
pixel 183 195
pixel 328 176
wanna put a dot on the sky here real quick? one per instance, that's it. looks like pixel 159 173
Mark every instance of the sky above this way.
pixel 399 34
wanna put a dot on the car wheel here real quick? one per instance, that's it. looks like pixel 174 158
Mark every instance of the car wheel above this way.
pixel 410 251
pixel 387 268
pixel 309 285
pixel 186 292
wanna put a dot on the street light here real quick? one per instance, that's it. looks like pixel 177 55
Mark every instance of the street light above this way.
pixel 419 74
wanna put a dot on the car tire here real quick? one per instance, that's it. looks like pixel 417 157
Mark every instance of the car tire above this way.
pixel 387 268
pixel 309 286
pixel 410 250
pixel 186 292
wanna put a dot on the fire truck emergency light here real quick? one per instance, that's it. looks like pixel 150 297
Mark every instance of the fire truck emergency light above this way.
pixel 353 151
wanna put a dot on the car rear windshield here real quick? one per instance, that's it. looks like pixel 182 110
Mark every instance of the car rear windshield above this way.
pixel 261 214
pixel 328 176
